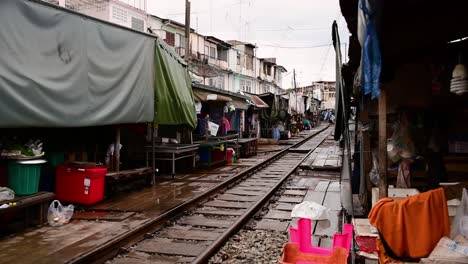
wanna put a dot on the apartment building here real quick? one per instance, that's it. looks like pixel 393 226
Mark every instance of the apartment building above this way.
pixel 227 65
pixel 324 91
pixel 127 13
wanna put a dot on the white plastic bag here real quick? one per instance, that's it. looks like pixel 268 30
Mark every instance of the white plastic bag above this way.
pixel 58 214
pixel 460 221
pixel 6 194
pixel 311 210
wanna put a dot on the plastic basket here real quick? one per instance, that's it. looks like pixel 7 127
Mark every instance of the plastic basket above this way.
pixel 23 176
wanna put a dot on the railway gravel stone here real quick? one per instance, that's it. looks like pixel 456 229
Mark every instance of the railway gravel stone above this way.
pixel 258 246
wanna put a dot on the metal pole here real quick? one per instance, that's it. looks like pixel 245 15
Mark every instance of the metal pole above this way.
pixel 153 182
pixel 117 150
pixel 187 30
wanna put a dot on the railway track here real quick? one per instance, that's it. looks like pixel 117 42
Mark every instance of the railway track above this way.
pixel 195 230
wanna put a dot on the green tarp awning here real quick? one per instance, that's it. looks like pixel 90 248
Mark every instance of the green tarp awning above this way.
pixel 174 103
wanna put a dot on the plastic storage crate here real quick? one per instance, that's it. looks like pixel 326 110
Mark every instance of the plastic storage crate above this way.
pixel 80 185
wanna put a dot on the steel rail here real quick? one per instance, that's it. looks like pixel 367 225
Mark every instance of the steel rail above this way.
pixel 111 248
pixel 220 241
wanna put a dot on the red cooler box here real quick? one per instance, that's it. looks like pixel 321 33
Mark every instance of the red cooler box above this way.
pixel 81 186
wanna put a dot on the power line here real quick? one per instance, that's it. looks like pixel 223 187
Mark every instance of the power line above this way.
pixel 325 58
pixel 294 29
pixel 293 47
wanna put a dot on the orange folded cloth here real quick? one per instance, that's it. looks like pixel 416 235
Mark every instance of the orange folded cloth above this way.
pixel 411 227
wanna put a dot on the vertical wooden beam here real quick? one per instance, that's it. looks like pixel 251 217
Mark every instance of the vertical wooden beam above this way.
pixel 117 150
pixel 366 157
pixel 383 186
pixel 153 155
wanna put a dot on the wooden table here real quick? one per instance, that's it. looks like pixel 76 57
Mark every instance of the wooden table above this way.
pixel 39 200
pixel 171 152
pixel 248 147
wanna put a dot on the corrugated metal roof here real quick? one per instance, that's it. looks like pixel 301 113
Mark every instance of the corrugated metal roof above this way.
pixel 259 103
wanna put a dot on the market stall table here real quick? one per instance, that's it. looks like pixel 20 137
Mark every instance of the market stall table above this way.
pixel 40 201
pixel 248 147
pixel 207 147
pixel 171 152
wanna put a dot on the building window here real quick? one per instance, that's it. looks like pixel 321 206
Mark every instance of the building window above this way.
pixel 138 24
pixel 213 52
pixel 238 58
pixel 266 88
pixel 181 40
pixel 221 82
pixel 249 62
pixel 213 82
pixel 248 86
pixel 222 54
pixel 207 51
pixel 119 14
pixel 242 85
pixel 170 39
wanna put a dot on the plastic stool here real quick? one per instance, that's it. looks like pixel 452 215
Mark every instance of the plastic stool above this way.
pixel 302 236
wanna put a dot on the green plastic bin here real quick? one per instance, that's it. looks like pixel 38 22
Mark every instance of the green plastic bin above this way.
pixel 24 176
pixel 47 181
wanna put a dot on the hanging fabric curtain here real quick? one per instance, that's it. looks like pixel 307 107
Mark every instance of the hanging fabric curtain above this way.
pixel 372 61
pixel 174 104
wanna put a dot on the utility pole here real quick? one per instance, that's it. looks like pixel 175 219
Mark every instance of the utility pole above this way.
pixel 187 30
pixel 295 90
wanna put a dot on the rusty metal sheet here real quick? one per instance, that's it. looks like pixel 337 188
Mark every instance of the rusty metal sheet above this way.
pixel 276 214
pixel 198 220
pixel 266 224
pixel 225 204
pixel 171 247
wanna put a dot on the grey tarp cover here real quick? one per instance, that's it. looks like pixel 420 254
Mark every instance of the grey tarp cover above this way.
pixel 58 69
pixel 174 103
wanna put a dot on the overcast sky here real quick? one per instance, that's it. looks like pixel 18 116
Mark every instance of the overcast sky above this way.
pixel 279 28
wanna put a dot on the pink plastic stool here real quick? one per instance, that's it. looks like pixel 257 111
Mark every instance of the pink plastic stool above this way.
pixel 302 236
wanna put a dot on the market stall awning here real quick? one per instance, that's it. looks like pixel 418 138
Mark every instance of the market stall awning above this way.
pixel 240 104
pixel 206 97
pixel 259 103
pixel 174 102
pixel 60 69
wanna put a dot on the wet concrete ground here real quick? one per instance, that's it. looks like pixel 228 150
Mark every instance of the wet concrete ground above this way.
pixel 61 244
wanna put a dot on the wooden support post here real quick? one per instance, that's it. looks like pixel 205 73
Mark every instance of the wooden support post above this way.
pixel 117 150
pixel 153 155
pixel 383 186
pixel 366 158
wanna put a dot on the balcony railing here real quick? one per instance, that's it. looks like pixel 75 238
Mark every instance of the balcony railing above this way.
pixel 180 51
